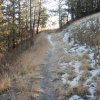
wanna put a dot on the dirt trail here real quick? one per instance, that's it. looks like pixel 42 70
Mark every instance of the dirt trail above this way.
pixel 46 72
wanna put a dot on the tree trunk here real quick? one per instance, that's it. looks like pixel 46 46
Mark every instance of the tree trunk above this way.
pixel 34 21
pixel 30 17
pixel 13 30
pixel 39 18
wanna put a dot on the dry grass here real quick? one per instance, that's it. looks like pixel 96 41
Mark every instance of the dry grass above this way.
pixel 36 91
pixel 81 90
pixel 22 70
pixel 70 77
pixel 24 96
pixel 57 71
pixel 59 89
pixel 77 90
pixel 84 76
pixel 69 58
pixel 84 37
pixel 98 90
pixel 66 45
pixel 70 72
pixel 5 83
pixel 86 56
pixel 55 77
pixel 69 91
pixel 60 92
pixel 85 65
pixel 60 71
pixel 21 85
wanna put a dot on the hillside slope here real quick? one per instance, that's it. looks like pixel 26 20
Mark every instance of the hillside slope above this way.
pixel 77 70
pixel 62 65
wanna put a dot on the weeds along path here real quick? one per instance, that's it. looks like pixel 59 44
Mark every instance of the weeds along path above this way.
pixel 32 72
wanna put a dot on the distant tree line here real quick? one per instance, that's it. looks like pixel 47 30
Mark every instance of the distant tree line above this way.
pixel 80 8
pixel 76 9
pixel 19 21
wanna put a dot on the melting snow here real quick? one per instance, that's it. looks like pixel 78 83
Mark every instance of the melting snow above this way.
pixel 50 41
pixel 78 49
pixel 75 97
pixel 74 82
pixel 66 37
pixel 63 78
pixel 76 65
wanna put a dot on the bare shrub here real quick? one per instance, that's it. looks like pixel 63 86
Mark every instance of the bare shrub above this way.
pixel 81 90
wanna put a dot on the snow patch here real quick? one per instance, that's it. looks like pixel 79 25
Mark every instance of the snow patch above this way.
pixel 50 41
pixel 78 49
pixel 75 97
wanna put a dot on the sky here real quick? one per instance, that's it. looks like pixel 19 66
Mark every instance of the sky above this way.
pixel 53 19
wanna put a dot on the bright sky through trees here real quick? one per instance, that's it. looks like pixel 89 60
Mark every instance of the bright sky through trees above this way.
pixel 53 19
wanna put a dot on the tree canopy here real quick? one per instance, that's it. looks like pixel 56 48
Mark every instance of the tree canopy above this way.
pixel 20 20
